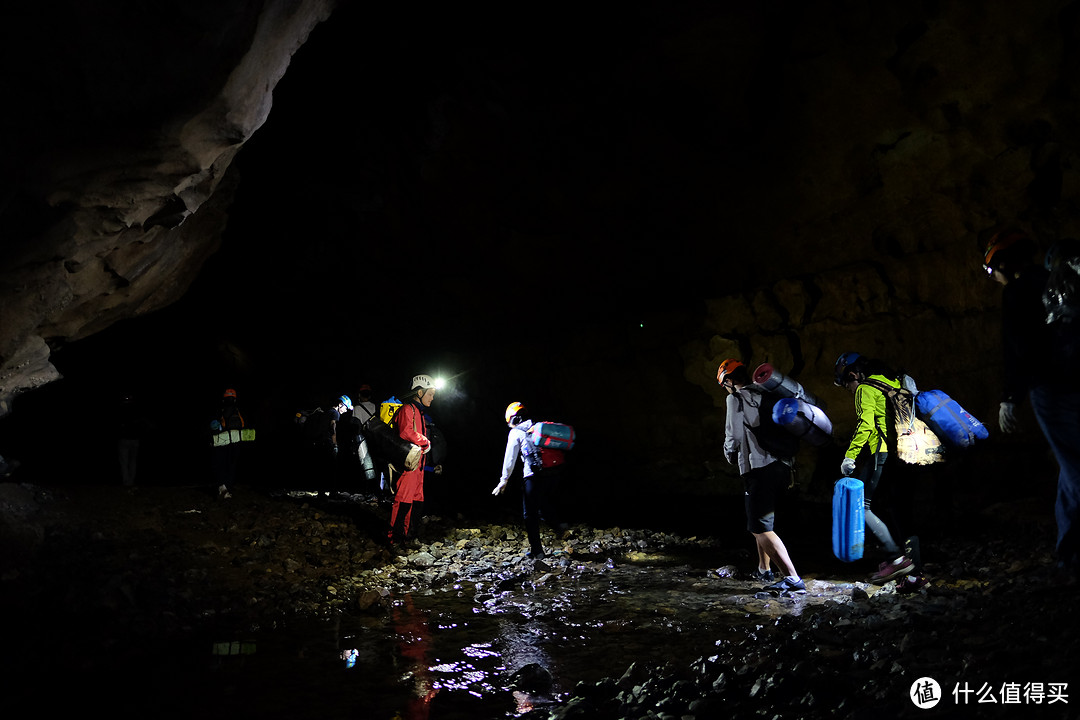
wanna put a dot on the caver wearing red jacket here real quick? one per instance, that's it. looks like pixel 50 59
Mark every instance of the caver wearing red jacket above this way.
pixel 409 496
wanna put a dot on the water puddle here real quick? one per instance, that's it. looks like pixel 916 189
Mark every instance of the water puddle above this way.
pixel 505 645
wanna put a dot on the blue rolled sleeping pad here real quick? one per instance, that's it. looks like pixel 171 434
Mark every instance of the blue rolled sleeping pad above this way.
pixel 803 420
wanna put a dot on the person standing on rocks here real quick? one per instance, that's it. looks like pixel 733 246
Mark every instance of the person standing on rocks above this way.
pixel 409 493
pixel 1032 333
pixel 341 406
pixel 131 426
pixel 868 451
pixel 539 484
pixel 363 410
pixel 764 476
pixel 226 438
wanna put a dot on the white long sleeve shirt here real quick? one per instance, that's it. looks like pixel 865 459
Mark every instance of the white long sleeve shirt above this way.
pixel 515 445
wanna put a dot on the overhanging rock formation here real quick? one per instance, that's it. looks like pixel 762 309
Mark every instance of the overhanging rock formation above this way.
pixel 116 179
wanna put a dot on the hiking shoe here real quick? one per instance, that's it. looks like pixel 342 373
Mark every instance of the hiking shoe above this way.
pixel 535 554
pixel 762 576
pixel 893 568
pixel 786 584
pixel 911 584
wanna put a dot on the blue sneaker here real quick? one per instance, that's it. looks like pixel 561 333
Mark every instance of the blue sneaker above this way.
pixel 762 576
pixel 786 584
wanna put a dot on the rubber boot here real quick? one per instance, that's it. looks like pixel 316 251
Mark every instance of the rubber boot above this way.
pixel 414 521
pixel 397 532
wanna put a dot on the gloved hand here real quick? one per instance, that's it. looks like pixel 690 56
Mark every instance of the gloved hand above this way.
pixel 847 467
pixel 499 488
pixel 1007 418
pixel 437 470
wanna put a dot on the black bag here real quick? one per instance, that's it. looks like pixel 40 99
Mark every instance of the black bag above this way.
pixel 385 442
pixel 314 426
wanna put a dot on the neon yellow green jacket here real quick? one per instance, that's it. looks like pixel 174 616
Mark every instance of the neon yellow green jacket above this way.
pixel 871 418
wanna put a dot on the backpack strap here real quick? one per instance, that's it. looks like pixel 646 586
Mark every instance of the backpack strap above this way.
pixel 900 400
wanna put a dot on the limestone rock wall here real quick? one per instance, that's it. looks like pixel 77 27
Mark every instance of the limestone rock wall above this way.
pixel 123 123
pixel 908 134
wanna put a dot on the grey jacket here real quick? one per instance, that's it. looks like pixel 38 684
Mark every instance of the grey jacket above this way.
pixel 741 448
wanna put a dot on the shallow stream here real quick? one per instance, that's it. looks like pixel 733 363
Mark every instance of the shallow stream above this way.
pixel 497 648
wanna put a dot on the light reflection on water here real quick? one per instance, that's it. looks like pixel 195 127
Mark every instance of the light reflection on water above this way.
pixel 495 649
pixel 493 652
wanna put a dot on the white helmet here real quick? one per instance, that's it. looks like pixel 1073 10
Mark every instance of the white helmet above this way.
pixel 422 382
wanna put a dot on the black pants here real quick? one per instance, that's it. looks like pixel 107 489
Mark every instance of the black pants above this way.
pixel 538 503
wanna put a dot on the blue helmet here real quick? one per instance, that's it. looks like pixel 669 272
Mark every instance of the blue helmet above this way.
pixel 843 364
pixel 346 401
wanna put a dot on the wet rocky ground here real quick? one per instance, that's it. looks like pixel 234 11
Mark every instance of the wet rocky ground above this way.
pixel 96 580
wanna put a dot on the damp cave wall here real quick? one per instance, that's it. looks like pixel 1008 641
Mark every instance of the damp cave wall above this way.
pixel 780 184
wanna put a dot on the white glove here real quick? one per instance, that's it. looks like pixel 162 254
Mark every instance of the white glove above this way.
pixel 847 467
pixel 499 488
pixel 1007 417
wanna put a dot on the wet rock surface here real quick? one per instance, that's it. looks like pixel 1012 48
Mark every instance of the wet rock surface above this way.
pixel 100 577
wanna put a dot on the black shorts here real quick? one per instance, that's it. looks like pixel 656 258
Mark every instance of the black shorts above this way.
pixel 762 487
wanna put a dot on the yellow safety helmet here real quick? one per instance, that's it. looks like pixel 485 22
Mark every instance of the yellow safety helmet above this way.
pixel 514 408
pixel 726 368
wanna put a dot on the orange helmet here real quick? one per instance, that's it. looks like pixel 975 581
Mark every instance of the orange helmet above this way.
pixel 999 243
pixel 230 393
pixel 513 409
pixel 726 368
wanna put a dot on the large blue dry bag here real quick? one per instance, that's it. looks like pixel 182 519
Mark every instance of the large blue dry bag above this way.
pixel 948 420
pixel 848 519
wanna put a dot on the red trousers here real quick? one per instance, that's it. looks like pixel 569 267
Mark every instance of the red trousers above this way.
pixel 410 489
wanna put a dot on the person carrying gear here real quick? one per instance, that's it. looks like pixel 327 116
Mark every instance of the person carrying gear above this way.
pixel 226 456
pixel 1007 261
pixel 341 406
pixel 409 493
pixel 1030 334
pixel 540 484
pixel 869 449
pixel 764 475
pixel 363 410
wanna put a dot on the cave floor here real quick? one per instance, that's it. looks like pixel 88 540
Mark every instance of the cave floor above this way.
pixel 96 580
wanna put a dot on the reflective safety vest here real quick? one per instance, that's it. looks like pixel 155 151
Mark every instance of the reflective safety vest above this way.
pixel 228 437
